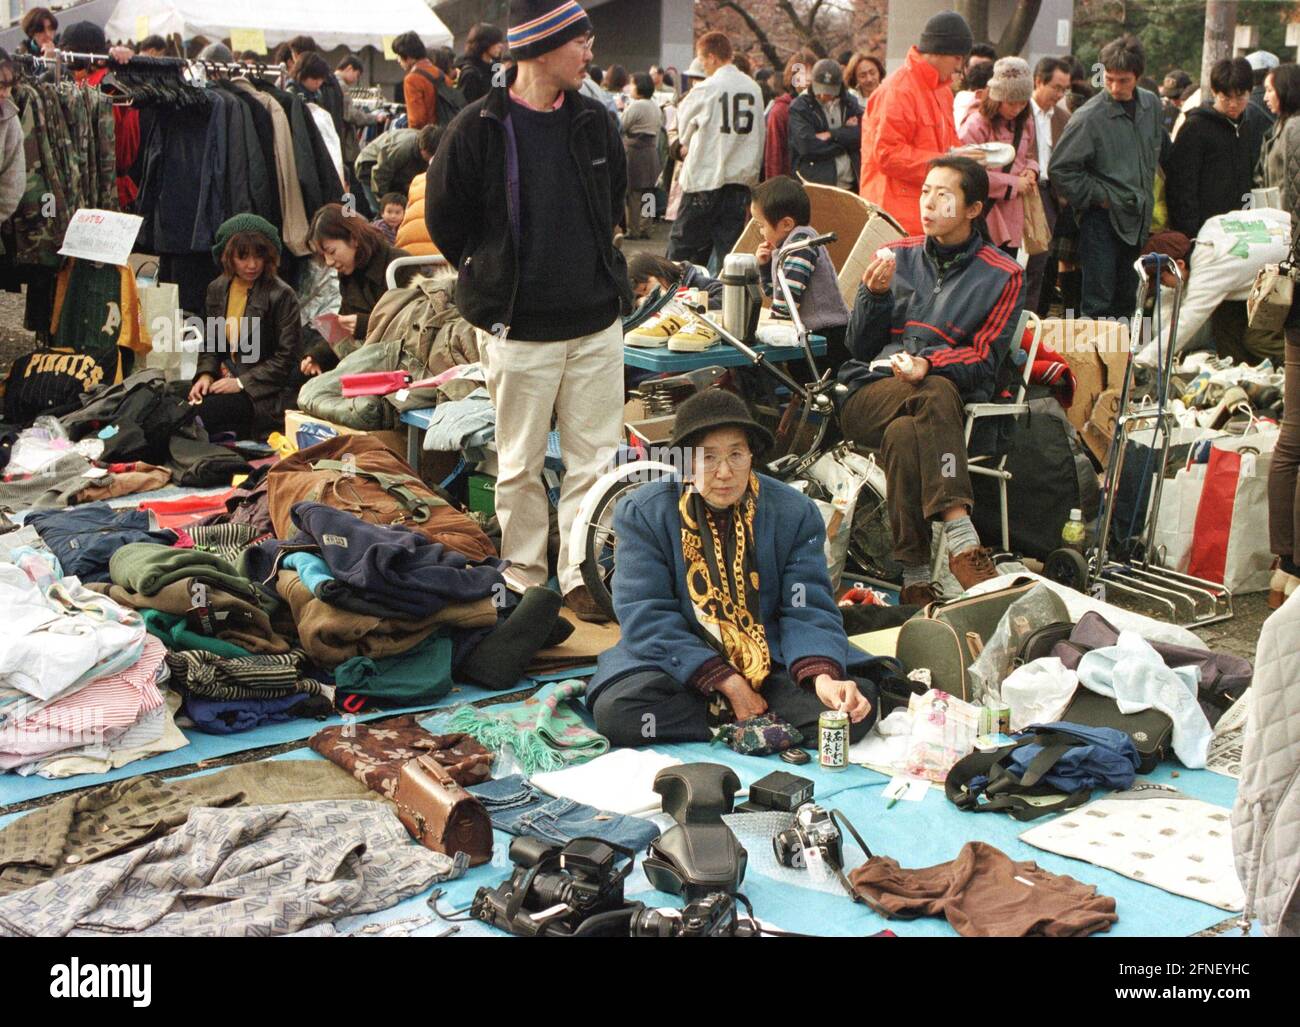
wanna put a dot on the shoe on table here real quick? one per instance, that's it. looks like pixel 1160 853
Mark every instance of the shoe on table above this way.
pixel 922 594
pixel 657 331
pixel 694 338
pixel 584 607
pixel 973 566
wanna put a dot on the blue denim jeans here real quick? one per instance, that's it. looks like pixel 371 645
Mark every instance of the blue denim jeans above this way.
pixel 516 807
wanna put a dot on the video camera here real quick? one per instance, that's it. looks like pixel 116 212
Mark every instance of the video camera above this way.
pixel 570 890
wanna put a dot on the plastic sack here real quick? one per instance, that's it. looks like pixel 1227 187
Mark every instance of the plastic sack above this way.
pixel 1039 692
pixel 1036 609
pixel 38 446
pixel 834 483
pixel 943 731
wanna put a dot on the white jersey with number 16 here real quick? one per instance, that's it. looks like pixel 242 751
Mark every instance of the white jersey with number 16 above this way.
pixel 721 123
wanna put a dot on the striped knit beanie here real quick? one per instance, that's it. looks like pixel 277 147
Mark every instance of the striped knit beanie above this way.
pixel 540 26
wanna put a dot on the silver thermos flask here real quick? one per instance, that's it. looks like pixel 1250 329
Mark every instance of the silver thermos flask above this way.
pixel 742 295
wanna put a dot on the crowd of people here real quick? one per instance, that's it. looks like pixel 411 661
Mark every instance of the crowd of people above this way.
pixel 523 144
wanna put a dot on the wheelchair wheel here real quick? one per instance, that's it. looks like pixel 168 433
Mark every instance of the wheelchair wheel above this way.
pixel 1067 567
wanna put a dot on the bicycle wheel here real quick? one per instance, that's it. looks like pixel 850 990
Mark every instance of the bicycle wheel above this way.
pixel 599 545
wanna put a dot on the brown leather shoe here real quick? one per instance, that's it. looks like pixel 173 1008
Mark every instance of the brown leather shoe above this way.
pixel 584 607
pixel 973 566
pixel 922 594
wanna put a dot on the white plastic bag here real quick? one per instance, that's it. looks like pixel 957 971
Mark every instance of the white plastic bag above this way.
pixel 1036 609
pixel 839 475
pixel 1039 692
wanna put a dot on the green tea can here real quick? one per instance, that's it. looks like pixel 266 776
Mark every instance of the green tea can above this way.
pixel 833 740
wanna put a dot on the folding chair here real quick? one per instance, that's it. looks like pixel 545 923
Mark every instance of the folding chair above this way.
pixel 985 464
pixel 862 228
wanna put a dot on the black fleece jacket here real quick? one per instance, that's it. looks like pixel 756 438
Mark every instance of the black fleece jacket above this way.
pixel 1211 166
pixel 472 202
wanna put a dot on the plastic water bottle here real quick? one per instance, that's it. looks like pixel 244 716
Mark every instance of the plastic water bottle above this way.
pixel 1073 534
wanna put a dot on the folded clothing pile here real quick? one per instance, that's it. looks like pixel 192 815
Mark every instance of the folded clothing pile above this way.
pixel 201 588
pixel 86 537
pixel 222 695
pixel 58 638
pixel 113 718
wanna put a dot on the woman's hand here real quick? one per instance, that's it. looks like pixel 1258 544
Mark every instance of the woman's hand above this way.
pixel 225 387
pixel 825 137
pixel 745 702
pixel 348 322
pixel 309 367
pixel 842 695
pixel 200 388
pixel 879 275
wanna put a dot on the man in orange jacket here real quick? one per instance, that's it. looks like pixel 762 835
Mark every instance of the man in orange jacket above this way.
pixel 909 120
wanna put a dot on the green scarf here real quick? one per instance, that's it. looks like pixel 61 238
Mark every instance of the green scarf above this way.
pixel 543 732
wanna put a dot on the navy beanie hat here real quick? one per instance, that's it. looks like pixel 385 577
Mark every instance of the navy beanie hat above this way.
pixel 540 26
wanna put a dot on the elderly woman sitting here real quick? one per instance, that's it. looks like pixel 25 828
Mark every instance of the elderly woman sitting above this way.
pixel 723 598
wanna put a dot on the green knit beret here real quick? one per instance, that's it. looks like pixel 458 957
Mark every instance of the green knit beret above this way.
pixel 245 223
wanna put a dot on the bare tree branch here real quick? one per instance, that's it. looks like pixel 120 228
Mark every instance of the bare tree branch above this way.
pixel 809 37
pixel 769 49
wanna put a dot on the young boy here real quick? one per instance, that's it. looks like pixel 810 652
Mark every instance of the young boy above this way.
pixel 782 209
pixel 392 208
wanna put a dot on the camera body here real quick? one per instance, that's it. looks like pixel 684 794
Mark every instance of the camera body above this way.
pixel 713 916
pixel 813 829
pixel 554 889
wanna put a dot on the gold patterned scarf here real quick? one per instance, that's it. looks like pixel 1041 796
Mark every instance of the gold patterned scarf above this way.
pixel 722 580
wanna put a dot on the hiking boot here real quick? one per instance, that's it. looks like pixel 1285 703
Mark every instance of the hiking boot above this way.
pixel 973 566
pixel 922 594
pixel 584 607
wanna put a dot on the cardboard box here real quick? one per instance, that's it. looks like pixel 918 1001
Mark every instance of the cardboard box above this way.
pixel 1100 429
pixel 295 419
pixel 1097 352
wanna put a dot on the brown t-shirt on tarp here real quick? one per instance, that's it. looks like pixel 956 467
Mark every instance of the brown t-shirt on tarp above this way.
pixel 983 893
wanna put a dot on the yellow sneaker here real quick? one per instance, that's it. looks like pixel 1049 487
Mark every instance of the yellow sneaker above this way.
pixel 695 337
pixel 657 331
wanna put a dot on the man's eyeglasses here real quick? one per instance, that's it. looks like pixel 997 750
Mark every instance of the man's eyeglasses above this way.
pixel 586 42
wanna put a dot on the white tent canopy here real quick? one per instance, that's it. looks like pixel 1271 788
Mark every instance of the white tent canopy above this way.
pixel 332 23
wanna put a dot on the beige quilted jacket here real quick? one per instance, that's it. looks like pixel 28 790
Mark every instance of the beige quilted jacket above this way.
pixel 1266 817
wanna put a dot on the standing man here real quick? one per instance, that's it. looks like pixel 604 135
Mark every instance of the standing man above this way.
pixel 1051 83
pixel 523 197
pixel 720 129
pixel 1105 167
pixel 1212 163
pixel 420 86
pixel 909 120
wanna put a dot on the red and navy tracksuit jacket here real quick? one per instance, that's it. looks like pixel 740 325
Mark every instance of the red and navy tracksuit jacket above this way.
pixel 960 318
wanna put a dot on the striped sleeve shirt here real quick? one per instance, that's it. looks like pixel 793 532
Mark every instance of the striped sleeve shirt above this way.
pixel 799 269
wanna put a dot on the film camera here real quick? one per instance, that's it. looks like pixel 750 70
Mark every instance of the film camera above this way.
pixel 814 829
pixel 575 889
pixel 713 916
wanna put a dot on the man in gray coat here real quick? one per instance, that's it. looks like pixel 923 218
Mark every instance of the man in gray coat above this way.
pixel 1105 166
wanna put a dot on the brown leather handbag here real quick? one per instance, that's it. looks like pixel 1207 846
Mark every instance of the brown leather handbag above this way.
pixel 439 813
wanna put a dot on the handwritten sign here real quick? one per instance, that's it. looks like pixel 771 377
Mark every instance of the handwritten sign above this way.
pixel 248 39
pixel 388 48
pixel 104 236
